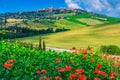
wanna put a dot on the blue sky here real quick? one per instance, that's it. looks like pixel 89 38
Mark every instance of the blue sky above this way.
pixel 27 5
pixel 108 7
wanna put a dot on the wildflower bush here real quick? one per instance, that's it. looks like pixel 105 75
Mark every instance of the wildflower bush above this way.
pixel 20 63
pixel 111 49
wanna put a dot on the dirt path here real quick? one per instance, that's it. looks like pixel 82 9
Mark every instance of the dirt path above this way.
pixel 63 50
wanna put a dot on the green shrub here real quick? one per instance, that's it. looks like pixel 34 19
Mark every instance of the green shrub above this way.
pixel 28 64
pixel 110 49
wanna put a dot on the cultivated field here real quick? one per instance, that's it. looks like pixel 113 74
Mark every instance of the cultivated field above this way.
pixel 11 20
pixel 68 24
pixel 90 21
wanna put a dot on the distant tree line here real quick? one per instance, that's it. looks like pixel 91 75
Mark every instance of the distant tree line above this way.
pixel 41 14
pixel 19 32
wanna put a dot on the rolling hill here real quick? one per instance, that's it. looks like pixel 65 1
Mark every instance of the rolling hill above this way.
pixel 86 28
pixel 81 37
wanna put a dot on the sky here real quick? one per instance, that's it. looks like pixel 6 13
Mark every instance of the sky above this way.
pixel 107 7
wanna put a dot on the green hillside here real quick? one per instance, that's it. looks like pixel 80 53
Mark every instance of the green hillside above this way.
pixel 68 24
pixel 74 21
pixel 92 36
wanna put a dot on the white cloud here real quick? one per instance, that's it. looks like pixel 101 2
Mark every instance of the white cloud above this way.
pixel 108 7
pixel 72 3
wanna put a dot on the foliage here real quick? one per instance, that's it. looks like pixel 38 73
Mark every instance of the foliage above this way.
pixel 42 45
pixel 46 13
pixel 18 32
pixel 20 63
pixel 110 49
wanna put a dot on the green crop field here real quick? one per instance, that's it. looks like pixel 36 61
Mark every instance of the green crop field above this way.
pixel 68 24
pixel 90 21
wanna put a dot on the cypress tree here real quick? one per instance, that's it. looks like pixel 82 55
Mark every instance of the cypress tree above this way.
pixel 44 46
pixel 40 45
pixel 5 21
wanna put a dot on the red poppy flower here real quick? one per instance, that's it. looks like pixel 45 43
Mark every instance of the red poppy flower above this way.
pixel 75 51
pixel 58 78
pixel 8 65
pixel 96 78
pixel 116 65
pixel 79 71
pixel 48 79
pixel 10 61
pixel 113 75
pixel 82 77
pixel 84 56
pixel 92 59
pixel 99 65
pixel 96 71
pixel 84 51
pixel 111 58
pixel 103 73
pixel 107 54
pixel 100 72
pixel 43 71
pixel 73 76
pixel 68 68
pixel 62 70
pixel 57 60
